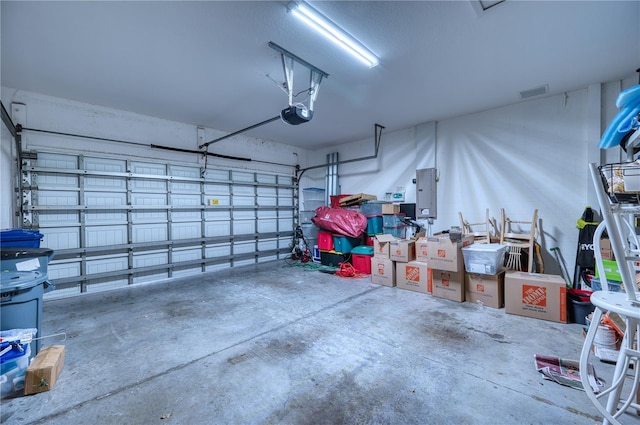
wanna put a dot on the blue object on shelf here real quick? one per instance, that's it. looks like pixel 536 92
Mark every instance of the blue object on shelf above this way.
pixel 625 121
pixel 21 238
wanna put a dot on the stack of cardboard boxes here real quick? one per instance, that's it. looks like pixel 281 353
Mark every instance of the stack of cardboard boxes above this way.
pixel 435 265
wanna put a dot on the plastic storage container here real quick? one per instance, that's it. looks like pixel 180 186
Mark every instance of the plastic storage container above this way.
pixel 325 241
pixel 13 368
pixel 372 208
pixel 484 258
pixel 312 205
pixel 393 220
pixel 306 216
pixel 313 194
pixel 345 244
pixel 374 225
pixel 398 231
pixel 614 286
pixel 20 238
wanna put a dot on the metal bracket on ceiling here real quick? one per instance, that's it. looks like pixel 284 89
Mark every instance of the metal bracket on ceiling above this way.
pixel 315 74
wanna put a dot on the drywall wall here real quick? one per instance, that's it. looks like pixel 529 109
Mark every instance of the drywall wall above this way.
pixel 520 157
pixel 140 131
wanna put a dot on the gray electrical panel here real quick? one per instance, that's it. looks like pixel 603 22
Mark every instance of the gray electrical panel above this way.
pixel 426 199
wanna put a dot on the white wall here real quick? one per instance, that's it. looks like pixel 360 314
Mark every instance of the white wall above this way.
pixel 520 157
pixel 62 115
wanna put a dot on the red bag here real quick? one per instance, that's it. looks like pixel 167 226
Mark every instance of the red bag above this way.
pixel 343 222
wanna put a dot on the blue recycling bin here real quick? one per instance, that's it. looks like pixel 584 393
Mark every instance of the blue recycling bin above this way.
pixel 23 282
pixel 21 238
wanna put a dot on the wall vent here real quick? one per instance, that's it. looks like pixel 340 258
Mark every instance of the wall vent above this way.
pixel 536 91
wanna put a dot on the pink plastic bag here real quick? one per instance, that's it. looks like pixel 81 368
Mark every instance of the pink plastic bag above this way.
pixel 340 221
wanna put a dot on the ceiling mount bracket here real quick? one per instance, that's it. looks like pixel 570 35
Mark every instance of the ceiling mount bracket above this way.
pixel 297 112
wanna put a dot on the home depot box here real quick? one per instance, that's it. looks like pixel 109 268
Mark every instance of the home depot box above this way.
pixel 381 245
pixel 485 289
pixel 445 254
pixel 403 250
pixel 42 373
pixel 447 284
pixel 542 296
pixel 421 250
pixel 413 276
pixel 383 271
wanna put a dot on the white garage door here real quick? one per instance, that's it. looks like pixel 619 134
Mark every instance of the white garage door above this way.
pixel 115 222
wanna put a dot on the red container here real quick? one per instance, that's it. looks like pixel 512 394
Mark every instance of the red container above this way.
pixel 335 200
pixel 362 263
pixel 325 241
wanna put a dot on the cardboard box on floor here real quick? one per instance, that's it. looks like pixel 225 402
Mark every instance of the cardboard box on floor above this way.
pixel 43 372
pixel 421 250
pixel 447 284
pixel 413 276
pixel 445 254
pixel 383 271
pixel 402 250
pixel 485 289
pixel 381 245
pixel 541 296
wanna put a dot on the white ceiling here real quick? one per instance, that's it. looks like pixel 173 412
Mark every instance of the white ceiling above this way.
pixel 205 63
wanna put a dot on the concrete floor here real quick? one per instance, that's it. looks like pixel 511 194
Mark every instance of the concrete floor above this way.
pixel 271 344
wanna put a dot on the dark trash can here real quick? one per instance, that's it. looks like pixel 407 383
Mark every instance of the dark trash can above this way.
pixel 579 305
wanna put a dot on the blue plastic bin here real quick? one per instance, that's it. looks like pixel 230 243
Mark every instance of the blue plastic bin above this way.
pixel 20 238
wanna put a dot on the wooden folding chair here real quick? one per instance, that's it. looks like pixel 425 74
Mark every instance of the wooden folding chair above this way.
pixel 519 236
pixel 481 231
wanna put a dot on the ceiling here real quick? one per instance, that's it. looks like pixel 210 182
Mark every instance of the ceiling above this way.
pixel 208 62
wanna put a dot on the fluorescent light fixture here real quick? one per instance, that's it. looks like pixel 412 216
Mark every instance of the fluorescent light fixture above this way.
pixel 324 26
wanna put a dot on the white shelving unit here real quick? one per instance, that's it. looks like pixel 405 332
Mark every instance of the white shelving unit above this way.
pixel 617 396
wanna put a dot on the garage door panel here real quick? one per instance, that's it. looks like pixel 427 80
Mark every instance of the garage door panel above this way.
pixel 152 232
pixel 61 237
pixel 106 235
pixel 57 198
pixel 107 204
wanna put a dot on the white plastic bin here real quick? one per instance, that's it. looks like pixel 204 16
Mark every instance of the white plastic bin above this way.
pixel 484 258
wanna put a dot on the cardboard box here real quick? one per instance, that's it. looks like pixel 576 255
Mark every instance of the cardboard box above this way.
pixel 541 296
pixel 381 245
pixel 402 250
pixel 390 209
pixel 44 370
pixel 445 254
pixel 606 250
pixel 447 284
pixel 413 276
pixel 485 289
pixel 421 250
pixel 383 271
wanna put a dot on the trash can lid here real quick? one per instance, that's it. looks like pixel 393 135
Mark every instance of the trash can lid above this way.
pixel 20 235
pixel 18 281
pixel 15 253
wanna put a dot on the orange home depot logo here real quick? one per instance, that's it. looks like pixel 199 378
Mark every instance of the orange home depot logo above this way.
pixel 445 278
pixel 534 295
pixel 380 268
pixel 480 287
pixel 442 253
pixel 412 273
